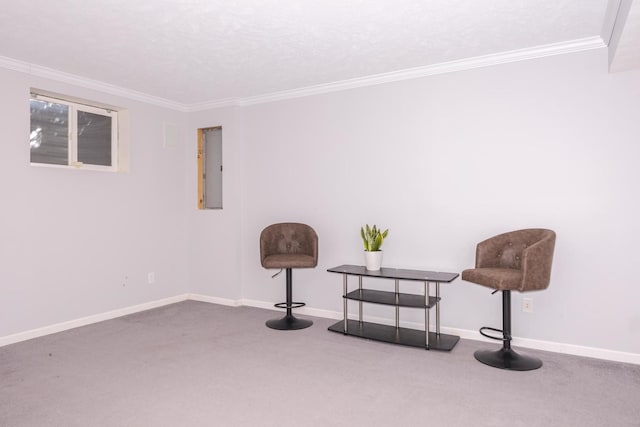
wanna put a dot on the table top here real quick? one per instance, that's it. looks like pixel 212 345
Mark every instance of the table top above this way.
pixel 395 273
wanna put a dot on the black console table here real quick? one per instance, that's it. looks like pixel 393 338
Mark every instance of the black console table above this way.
pixel 395 334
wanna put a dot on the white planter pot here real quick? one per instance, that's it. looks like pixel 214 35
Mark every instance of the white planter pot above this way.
pixel 373 260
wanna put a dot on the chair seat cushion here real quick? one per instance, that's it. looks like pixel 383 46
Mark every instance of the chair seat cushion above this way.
pixel 502 279
pixel 292 260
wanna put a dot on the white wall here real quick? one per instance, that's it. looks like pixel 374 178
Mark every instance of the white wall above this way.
pixel 443 161
pixel 449 160
pixel 77 243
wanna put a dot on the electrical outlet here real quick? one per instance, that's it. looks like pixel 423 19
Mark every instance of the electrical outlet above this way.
pixel 151 277
pixel 527 305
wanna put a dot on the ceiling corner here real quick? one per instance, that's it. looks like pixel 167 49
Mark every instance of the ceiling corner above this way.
pixel 624 43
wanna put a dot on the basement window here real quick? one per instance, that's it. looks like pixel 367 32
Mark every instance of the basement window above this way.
pixel 72 133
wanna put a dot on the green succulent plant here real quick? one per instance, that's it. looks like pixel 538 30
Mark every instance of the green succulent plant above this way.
pixel 372 237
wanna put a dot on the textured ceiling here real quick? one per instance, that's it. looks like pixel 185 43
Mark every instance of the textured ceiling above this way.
pixel 195 51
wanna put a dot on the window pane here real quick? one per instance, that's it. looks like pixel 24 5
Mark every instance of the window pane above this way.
pixel 49 138
pixel 94 138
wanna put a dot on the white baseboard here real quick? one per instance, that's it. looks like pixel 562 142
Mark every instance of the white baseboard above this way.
pixel 257 304
pixel 556 347
pixel 576 350
pixel 71 324
pixel 215 300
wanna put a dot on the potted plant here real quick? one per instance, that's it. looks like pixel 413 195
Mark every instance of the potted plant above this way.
pixel 372 239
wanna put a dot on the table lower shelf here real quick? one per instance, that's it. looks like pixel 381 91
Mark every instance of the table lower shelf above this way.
pixel 403 336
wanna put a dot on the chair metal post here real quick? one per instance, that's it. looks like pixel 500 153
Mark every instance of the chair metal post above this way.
pixel 506 320
pixel 289 291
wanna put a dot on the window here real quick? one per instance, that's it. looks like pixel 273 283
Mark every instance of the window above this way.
pixel 68 133
pixel 210 168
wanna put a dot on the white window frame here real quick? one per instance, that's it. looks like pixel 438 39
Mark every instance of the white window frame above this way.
pixel 73 108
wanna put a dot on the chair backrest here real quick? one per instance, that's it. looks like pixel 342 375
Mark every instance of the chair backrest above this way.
pixel 289 238
pixel 529 250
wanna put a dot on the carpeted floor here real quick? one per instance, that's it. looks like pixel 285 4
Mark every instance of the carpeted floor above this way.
pixel 199 364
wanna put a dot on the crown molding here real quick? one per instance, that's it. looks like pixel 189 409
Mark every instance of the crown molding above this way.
pixel 430 70
pixel 210 105
pixel 14 64
pixel 60 76
pixel 407 74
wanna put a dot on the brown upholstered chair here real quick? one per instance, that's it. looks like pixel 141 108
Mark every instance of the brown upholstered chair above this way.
pixel 289 245
pixel 515 261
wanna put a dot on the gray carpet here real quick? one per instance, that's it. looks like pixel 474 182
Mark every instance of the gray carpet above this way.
pixel 199 364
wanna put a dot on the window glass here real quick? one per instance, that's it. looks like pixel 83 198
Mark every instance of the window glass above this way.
pixel 49 137
pixel 94 138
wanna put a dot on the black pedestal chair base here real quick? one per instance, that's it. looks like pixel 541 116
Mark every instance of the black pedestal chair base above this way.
pixel 288 323
pixel 506 358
